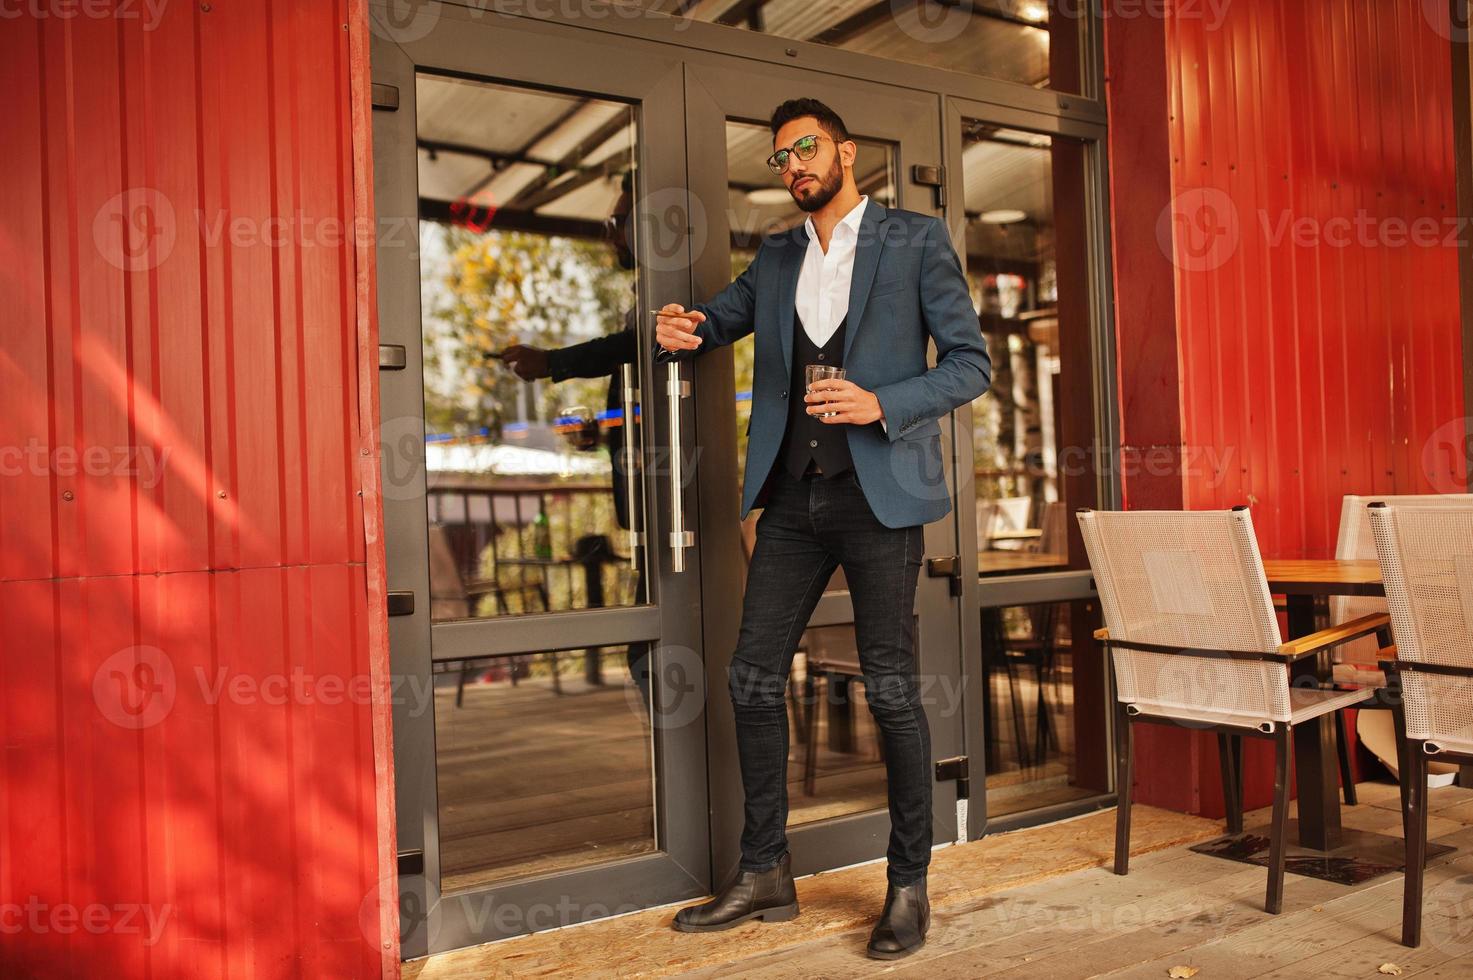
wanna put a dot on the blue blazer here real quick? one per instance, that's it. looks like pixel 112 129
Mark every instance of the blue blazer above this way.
pixel 908 287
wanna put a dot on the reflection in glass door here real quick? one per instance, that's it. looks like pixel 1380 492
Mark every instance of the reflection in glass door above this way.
pixel 1026 263
pixel 529 299
pixel 551 767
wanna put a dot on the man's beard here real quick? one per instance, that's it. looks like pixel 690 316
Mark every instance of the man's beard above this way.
pixel 828 186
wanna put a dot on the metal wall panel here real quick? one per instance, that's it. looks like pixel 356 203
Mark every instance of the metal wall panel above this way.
pixel 184 644
pixel 1320 348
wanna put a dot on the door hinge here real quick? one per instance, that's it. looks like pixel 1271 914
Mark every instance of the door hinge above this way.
pixel 385 97
pixel 955 768
pixel 930 175
pixel 411 863
pixel 392 357
pixel 949 567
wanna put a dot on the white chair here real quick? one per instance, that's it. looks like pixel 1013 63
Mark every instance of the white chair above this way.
pixel 1353 664
pixel 1426 555
pixel 1194 640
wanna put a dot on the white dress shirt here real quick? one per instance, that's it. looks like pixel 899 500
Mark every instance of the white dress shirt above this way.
pixel 823 284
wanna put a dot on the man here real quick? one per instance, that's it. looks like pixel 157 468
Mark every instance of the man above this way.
pixel 602 357
pixel 862 287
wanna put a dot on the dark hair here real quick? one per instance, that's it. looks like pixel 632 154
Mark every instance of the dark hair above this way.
pixel 626 182
pixel 828 119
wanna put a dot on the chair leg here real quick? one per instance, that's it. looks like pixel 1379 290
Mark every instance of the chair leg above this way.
pixel 1229 763
pixel 1342 749
pixel 1279 832
pixel 1416 824
pixel 1123 778
pixel 1019 727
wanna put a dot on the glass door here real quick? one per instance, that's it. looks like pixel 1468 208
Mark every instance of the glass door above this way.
pixel 549 743
pixel 836 773
pixel 1022 188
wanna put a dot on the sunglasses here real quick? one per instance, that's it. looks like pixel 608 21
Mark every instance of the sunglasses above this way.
pixel 804 148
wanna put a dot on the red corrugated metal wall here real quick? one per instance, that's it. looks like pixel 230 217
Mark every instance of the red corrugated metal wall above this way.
pixel 187 786
pixel 1317 324
pixel 1317 288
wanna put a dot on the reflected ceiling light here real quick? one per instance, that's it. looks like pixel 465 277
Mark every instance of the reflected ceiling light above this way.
pixel 1036 13
pixel 1003 216
pixel 769 195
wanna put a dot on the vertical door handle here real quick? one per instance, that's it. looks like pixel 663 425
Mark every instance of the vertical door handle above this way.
pixel 631 465
pixel 676 390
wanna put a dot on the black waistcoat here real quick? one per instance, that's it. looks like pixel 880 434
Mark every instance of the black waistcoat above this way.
pixel 808 438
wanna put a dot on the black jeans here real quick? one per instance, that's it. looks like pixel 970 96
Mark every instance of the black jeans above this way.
pixel 807 528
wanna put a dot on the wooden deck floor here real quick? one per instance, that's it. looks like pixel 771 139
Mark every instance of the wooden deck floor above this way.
pixel 1040 904
pixel 534 780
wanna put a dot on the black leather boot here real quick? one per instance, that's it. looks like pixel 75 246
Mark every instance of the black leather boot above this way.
pixel 767 895
pixel 903 924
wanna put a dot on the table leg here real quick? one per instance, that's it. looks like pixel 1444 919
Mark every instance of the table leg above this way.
pixel 1316 770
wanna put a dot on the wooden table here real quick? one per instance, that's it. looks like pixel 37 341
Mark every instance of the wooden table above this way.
pixel 990 563
pixel 1316 764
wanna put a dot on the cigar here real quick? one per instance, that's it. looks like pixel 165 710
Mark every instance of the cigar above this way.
pixel 494 355
pixel 686 316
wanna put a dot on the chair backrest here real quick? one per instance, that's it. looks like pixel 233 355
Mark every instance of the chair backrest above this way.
pixel 1055 537
pixel 1356 541
pixel 1188 580
pixel 1426 555
pixel 1011 513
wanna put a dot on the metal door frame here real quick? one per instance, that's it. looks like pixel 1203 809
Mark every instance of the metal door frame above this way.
pixel 553 57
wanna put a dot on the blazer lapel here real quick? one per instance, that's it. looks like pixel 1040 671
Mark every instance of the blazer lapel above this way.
pixel 794 249
pixel 866 261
